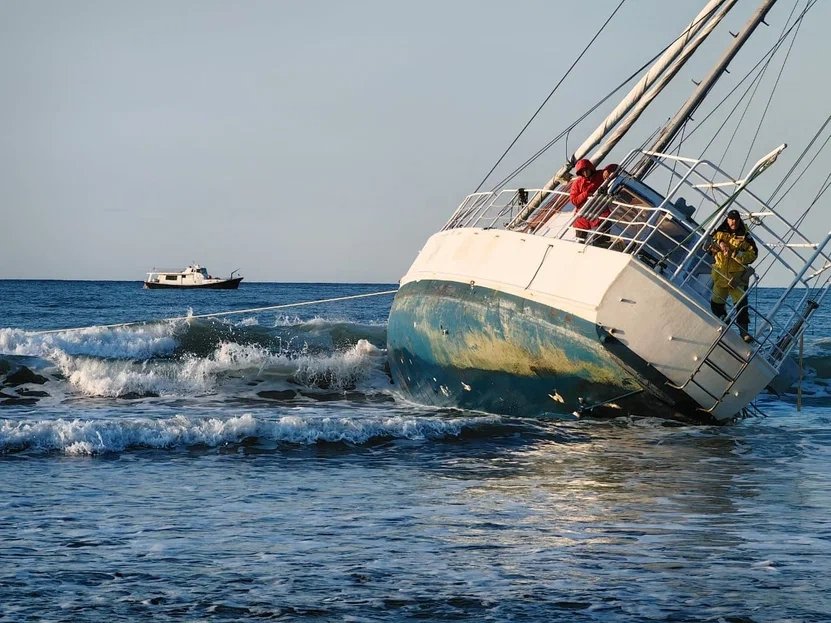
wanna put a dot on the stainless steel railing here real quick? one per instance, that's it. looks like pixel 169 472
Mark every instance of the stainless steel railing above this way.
pixel 654 228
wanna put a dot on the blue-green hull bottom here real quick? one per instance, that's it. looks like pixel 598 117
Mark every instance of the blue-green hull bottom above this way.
pixel 469 347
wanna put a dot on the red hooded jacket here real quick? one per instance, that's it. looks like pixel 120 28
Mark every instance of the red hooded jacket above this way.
pixel 584 187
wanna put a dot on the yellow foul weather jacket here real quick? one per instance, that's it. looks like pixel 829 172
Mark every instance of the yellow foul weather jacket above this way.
pixel 729 269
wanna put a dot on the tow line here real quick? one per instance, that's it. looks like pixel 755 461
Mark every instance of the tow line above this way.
pixel 214 315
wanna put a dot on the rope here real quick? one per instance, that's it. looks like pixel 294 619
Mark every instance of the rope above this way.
pixel 545 101
pixel 216 314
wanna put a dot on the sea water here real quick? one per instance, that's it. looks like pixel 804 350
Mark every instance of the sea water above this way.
pixel 260 467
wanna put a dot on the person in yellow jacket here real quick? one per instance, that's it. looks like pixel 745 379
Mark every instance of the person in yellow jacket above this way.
pixel 733 252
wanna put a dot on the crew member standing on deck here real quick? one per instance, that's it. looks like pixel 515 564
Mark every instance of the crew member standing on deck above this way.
pixel 587 181
pixel 733 252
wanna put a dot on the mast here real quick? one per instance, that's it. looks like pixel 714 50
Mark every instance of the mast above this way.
pixel 670 55
pixel 676 123
pixel 707 15
pixel 668 75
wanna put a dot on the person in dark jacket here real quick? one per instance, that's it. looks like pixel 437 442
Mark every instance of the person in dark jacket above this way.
pixel 586 182
pixel 734 250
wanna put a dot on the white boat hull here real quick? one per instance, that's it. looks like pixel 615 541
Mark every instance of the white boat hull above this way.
pixel 484 315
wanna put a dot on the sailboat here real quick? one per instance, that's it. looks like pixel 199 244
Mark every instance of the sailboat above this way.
pixel 511 309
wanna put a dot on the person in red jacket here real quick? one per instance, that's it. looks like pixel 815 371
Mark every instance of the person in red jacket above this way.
pixel 587 181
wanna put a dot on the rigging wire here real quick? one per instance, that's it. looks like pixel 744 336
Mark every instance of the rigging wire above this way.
pixel 799 177
pixel 820 193
pixel 775 84
pixel 773 49
pixel 764 63
pixel 824 187
pixel 793 168
pixel 765 59
pixel 677 153
pixel 762 66
pixel 554 140
pixel 756 83
pixel 582 117
pixel 545 101
pixel 215 314
pixel 718 130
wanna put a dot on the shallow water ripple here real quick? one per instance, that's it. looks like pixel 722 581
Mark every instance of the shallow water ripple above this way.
pixel 550 521
pixel 263 470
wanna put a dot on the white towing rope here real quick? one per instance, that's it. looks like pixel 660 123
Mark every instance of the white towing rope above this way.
pixel 214 315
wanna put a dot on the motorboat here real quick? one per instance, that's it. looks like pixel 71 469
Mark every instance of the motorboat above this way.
pixel 194 276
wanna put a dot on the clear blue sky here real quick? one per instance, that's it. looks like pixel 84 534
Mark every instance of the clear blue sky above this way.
pixel 310 140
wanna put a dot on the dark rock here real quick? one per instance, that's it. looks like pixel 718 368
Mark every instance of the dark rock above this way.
pixel 137 396
pixel 18 401
pixel 24 375
pixel 380 398
pixel 32 392
pixel 5 366
pixel 331 396
pixel 288 394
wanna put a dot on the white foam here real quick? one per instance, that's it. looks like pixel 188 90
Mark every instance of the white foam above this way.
pixel 342 370
pixel 90 437
pixel 114 378
pixel 135 342
pixel 321 322
pixel 188 376
pixel 361 365
pixel 248 322
pixel 116 361
pixel 287 321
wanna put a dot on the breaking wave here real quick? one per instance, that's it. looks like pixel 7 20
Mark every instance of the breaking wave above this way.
pixel 94 437
pixel 197 357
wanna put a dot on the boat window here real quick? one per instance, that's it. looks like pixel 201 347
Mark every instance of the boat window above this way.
pixel 170 277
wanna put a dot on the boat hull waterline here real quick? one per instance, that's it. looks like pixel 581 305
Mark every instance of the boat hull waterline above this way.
pixel 499 353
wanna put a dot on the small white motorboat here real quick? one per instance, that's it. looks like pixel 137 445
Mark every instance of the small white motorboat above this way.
pixel 194 276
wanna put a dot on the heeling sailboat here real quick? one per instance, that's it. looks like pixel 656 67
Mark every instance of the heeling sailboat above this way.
pixel 508 310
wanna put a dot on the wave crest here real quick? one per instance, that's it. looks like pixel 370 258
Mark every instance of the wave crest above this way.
pixel 95 437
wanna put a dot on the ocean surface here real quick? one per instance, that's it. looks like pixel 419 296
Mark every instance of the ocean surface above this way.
pixel 259 467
